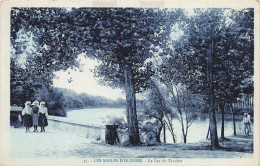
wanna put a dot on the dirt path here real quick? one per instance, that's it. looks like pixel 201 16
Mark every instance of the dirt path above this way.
pixel 64 145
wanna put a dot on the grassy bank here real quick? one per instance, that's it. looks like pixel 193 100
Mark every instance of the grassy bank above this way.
pixel 234 147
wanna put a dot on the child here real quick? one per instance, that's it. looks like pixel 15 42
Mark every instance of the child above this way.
pixel 27 113
pixel 43 114
pixel 35 115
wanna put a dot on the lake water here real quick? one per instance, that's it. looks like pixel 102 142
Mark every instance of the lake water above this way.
pixel 197 131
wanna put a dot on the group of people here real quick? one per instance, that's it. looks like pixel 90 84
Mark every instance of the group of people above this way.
pixel 247 124
pixel 35 115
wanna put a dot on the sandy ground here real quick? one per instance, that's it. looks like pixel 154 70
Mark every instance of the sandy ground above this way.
pixel 58 144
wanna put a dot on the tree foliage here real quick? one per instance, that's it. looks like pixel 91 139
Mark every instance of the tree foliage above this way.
pixel 214 56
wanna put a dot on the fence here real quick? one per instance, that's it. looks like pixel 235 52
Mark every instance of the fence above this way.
pixel 83 130
pixel 246 101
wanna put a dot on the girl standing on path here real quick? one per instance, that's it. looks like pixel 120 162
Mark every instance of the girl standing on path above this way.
pixel 27 113
pixel 43 114
pixel 35 115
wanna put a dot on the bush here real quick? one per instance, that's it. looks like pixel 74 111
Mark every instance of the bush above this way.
pixel 54 101
pixel 241 111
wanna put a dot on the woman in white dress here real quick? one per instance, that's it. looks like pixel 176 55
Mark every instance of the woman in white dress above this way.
pixel 43 114
pixel 35 115
pixel 27 114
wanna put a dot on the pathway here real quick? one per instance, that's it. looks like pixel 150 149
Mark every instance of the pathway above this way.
pixel 58 144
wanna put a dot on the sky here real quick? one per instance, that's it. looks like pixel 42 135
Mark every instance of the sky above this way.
pixel 85 82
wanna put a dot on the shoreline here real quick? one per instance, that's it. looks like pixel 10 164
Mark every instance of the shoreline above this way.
pixel 202 115
pixel 92 108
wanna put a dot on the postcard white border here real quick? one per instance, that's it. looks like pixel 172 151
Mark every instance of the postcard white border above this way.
pixel 5 72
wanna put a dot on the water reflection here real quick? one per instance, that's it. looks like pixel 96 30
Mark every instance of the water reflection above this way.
pixel 197 131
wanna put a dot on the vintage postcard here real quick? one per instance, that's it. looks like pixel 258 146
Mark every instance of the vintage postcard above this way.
pixel 113 82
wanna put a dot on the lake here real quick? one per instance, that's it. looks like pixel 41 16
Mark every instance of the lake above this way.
pixel 197 131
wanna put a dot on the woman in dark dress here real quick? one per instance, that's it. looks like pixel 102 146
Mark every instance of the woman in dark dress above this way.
pixel 27 114
pixel 43 114
pixel 35 115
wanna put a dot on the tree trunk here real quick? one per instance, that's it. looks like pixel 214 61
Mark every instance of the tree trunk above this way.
pixel 158 135
pixel 213 125
pixel 208 133
pixel 133 130
pixel 222 108
pixel 185 139
pixel 169 125
pixel 173 137
pixel 182 128
pixel 233 119
pixel 211 97
pixel 164 134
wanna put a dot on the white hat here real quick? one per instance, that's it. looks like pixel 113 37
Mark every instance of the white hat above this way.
pixel 35 102
pixel 27 102
pixel 42 103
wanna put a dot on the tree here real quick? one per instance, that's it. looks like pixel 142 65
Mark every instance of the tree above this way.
pixel 196 56
pixel 153 112
pixel 234 60
pixel 244 21
pixel 16 82
pixel 186 105
pixel 179 98
pixel 120 38
pixel 168 113
pixel 208 49
pixel 123 43
pixel 38 26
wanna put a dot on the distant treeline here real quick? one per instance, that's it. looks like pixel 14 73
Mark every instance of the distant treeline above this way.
pixel 73 100
pixel 29 83
pixel 60 100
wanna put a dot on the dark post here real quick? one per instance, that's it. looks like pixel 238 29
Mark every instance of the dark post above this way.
pixel 111 134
